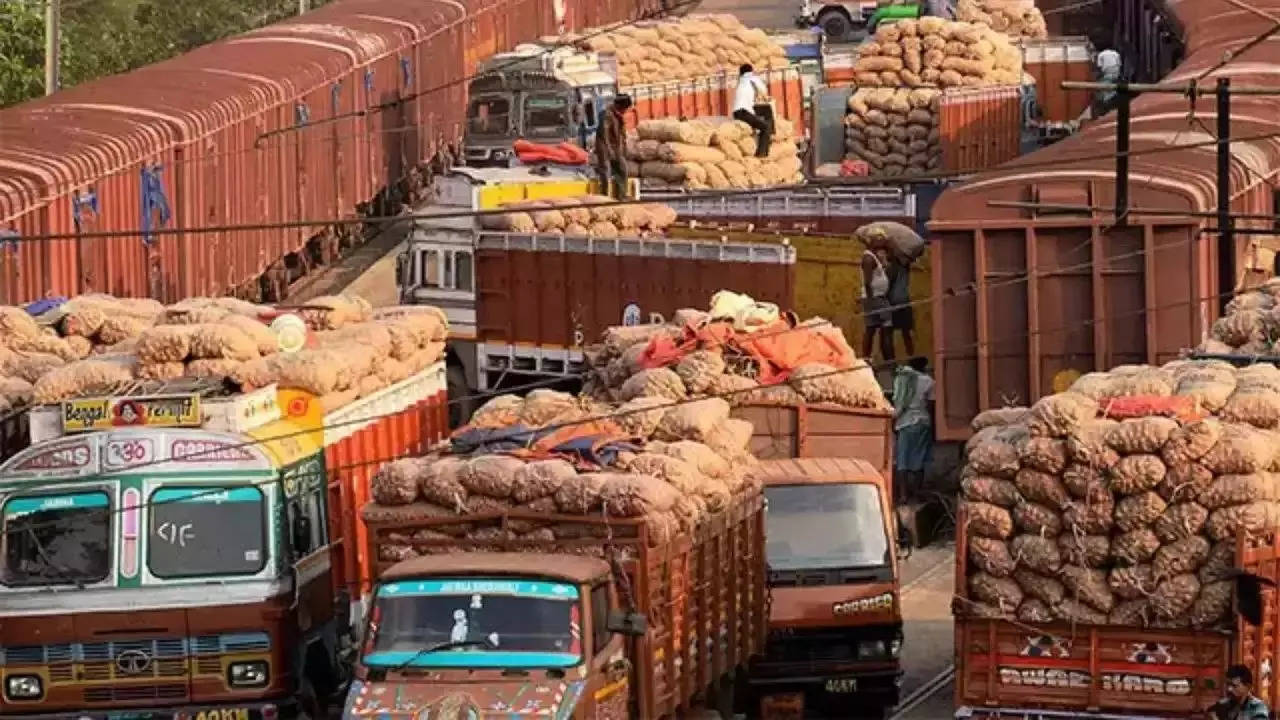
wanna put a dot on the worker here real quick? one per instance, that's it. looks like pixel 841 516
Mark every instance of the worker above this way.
pixel 1240 703
pixel 876 315
pixel 912 425
pixel 611 159
pixel 901 315
pixel 751 106
pixel 1109 72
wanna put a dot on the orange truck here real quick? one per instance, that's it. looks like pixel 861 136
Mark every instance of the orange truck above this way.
pixel 835 616
pixel 616 624
pixel 1102 672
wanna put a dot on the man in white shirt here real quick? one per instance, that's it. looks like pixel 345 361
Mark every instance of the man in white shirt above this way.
pixel 751 106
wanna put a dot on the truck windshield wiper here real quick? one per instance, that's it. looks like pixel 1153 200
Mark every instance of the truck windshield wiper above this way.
pixel 438 647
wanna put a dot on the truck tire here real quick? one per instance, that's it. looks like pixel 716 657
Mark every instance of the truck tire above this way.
pixel 835 24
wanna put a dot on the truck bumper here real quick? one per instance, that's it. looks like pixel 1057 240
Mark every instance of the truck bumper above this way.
pixel 827 695
pixel 262 710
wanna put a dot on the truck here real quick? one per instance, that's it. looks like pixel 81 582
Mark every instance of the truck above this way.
pixel 839 20
pixel 835 616
pixel 179 550
pixel 522 306
pixel 616 624
pixel 552 94
pixel 1062 670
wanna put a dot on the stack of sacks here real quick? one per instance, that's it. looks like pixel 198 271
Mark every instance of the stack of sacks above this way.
pixel 684 48
pixel 1016 18
pixel 720 356
pixel 1121 500
pixel 894 131
pixel 673 484
pixel 713 153
pixel 932 52
pixel 601 217
pixel 1250 325
pixel 94 324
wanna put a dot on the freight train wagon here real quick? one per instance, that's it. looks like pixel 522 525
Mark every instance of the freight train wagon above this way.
pixel 318 117
pixel 1035 282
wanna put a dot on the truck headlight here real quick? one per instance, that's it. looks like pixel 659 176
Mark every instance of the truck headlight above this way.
pixel 499 154
pixel 23 687
pixel 871 649
pixel 247 674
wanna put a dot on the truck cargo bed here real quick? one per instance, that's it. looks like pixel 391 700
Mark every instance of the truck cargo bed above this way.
pixel 710 580
pixel 1014 669
pixel 800 431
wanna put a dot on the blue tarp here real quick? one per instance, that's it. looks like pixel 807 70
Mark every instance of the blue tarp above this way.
pixel 595 448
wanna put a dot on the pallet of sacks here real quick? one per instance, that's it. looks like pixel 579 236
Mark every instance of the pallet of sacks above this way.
pixel 721 360
pixel 1121 501
pixel 692 466
pixel 716 153
pixel 594 216
pixel 1016 18
pixel 683 48
pixel 1250 325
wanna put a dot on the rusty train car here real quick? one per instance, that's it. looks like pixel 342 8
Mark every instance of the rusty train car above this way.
pixel 327 115
pixel 1034 281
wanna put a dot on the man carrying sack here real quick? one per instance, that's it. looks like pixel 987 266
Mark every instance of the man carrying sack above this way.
pixel 751 105
pixel 611 149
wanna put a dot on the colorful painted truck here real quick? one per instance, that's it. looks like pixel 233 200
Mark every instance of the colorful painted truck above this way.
pixel 179 552
pixel 641 627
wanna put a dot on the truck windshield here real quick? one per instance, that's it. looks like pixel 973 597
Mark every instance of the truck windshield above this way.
pixel 498 623
pixel 489 115
pixel 546 116
pixel 202 531
pixel 825 527
pixel 57 539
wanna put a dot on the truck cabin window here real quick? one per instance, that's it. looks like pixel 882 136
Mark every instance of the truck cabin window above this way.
pixel 206 531
pixel 57 539
pixel 489 115
pixel 825 527
pixel 546 116
pixel 475 623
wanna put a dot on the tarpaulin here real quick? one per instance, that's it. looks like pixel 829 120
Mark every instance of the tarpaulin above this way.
pixel 1180 407
pixel 778 348
pixel 595 442
pixel 565 153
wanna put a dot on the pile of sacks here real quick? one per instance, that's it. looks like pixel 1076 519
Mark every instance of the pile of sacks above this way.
pixel 932 52
pixel 726 370
pixel 694 463
pixel 586 216
pixel 683 48
pixel 1016 18
pixel 1250 325
pixel 717 153
pixel 894 131
pixel 1121 500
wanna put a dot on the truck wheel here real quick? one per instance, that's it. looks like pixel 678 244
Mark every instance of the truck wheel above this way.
pixel 835 24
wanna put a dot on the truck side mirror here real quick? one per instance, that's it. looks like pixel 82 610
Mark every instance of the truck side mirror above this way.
pixel 301 532
pixel 631 624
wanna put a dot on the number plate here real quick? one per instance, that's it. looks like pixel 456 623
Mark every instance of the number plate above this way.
pixel 842 685
pixel 782 707
pixel 231 713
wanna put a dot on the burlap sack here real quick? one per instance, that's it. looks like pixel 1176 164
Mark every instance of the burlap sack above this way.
pixel 1090 518
pixel 730 438
pixel 1042 488
pixel 1220 563
pixel 634 495
pixel 987 520
pixel 1087 483
pixel 993 490
pixel 1181 556
pixel 540 479
pixel 1033 610
pixel 1087 550
pixel 1238 489
pixel 1042 587
pixel 1088 586
pixel 1174 597
pixel 222 341
pixel 1047 455
pixel 1131 583
pixel 1003 593
pixel 1257 406
pixel 1134 547
pixel 703 458
pixel 1213 605
pixel 999 455
pixel 694 420
pixel 854 387
pixel 999 417
pixel 1180 521
pixel 546 407
pixel 102 375
pixel 438 481
pixel 1074 611
pixel 490 475
pixel 1137 473
pixel 1037 519
pixel 990 556
pixel 1130 612
pixel 1036 553
pixel 167 343
pixel 1087 444
pixel 699 368
pixel 1057 415
pixel 580 495
pixel 1191 442
pixel 396 483
pixel 1249 519
pixel 1138 510
pixel 657 382
pixel 1184 482
pixel 1141 435
pixel 1241 449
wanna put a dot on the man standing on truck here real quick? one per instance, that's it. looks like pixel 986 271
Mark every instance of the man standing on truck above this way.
pixel 751 106
pixel 1240 702
pixel 611 149
pixel 1109 72
pixel 912 425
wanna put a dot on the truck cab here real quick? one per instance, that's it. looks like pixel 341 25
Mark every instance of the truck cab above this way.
pixel 168 570
pixel 540 95
pixel 839 20
pixel 835 620
pixel 467 635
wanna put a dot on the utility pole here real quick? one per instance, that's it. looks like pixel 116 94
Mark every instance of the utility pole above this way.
pixel 1226 224
pixel 1124 98
pixel 52 45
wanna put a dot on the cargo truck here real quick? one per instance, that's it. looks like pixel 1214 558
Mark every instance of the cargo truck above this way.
pixel 639 627
pixel 835 615
pixel 179 551
pixel 1100 672
pixel 553 94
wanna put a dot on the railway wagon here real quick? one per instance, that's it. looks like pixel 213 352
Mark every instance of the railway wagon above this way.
pixel 208 164
pixel 1034 280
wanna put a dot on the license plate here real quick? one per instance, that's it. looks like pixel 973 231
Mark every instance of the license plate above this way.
pixel 782 707
pixel 842 685
pixel 232 713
